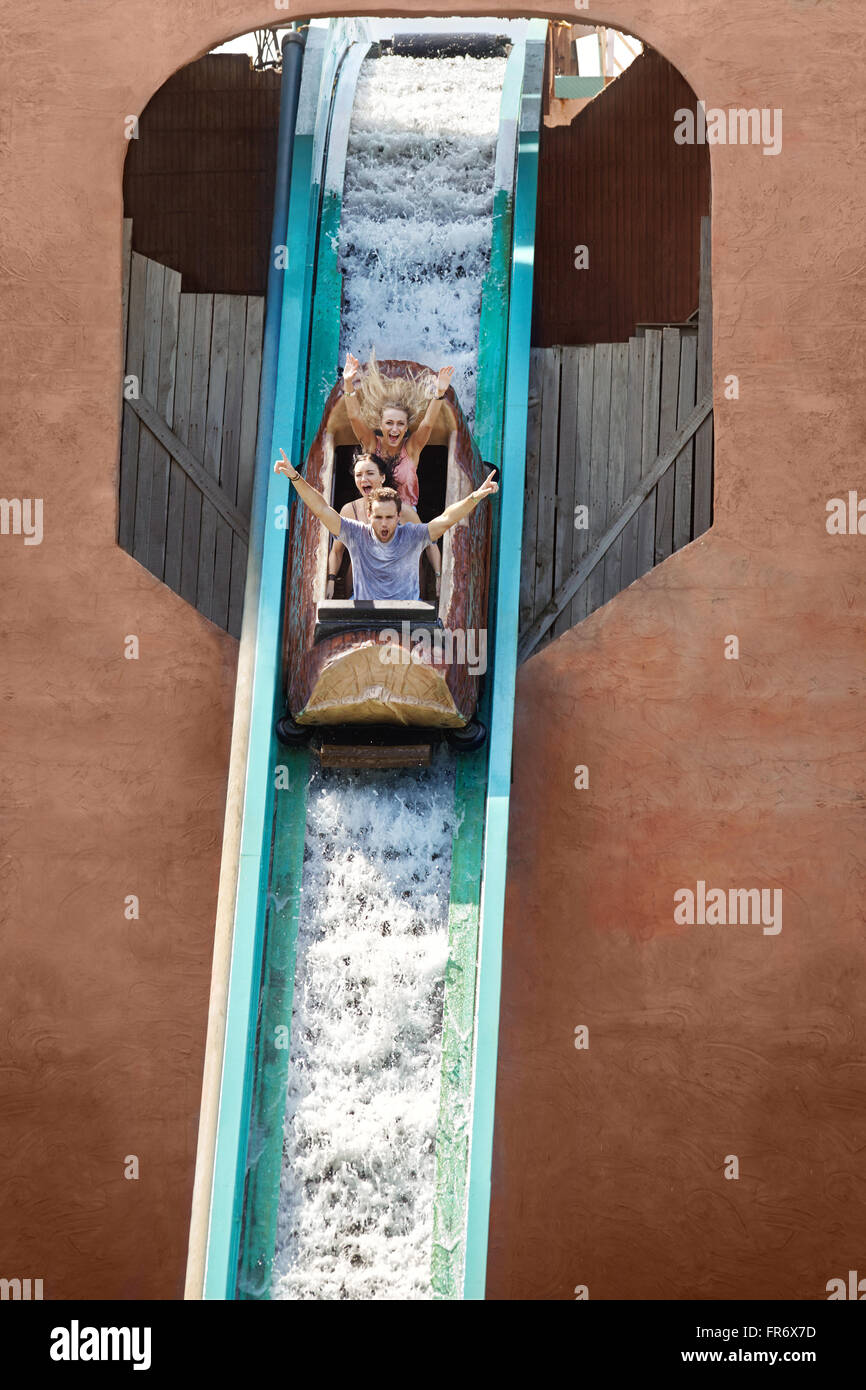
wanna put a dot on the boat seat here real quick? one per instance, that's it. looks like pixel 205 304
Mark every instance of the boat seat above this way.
pixel 335 615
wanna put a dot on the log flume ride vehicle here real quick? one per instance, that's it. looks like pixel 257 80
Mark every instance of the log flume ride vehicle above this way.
pixel 383 674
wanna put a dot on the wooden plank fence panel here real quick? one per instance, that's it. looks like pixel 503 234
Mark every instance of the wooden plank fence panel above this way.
pixel 210 489
pixel 565 477
pixel 581 541
pixel 616 466
pixel 667 429
pixel 189 567
pixel 684 466
pixel 544 544
pixel 177 482
pixel 598 551
pixel 646 517
pixel 164 403
pixel 634 429
pixel 149 391
pixel 228 460
pixel 188 433
pixel 530 502
pixel 599 462
pixel 237 585
pixel 636 346
pixel 255 314
pixel 212 448
pixel 255 324
pixel 129 443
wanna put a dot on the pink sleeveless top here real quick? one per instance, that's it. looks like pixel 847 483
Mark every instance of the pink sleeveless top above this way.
pixel 405 475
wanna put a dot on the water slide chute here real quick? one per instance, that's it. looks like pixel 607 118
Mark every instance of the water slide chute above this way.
pixel 241 1178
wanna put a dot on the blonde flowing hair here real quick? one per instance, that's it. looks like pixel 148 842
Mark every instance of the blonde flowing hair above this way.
pixel 378 393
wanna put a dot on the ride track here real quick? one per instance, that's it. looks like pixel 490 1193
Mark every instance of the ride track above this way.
pixel 237 1205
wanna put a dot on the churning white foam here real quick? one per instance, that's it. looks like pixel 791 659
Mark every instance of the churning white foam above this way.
pixel 356 1200
pixel 356 1197
pixel 417 211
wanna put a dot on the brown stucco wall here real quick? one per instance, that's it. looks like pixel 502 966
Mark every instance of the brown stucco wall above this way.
pixel 704 1042
pixel 708 1041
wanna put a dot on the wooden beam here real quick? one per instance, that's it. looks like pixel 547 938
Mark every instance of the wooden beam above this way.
pixel 229 453
pixel 649 447
pixel 127 263
pixel 177 482
pixel 619 402
pixel 583 470
pixel 530 502
pixel 164 403
pixel 600 461
pixel 191 466
pixel 585 569
pixel 149 388
pixel 633 455
pixel 703 498
pixel 563 561
pixel 684 466
pixel 193 435
pixel 131 429
pixel 212 450
pixel 664 539
pixel 545 535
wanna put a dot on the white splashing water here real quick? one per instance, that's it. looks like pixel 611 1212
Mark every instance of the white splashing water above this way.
pixel 355 1217
pixel 356 1198
pixel 417 207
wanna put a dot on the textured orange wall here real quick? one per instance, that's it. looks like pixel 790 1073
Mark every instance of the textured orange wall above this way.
pixel 703 1041
pixel 708 1041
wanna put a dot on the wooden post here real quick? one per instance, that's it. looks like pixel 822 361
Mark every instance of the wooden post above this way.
pixel 703 503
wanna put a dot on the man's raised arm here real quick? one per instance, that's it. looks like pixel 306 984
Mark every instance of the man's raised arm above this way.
pixel 456 512
pixel 310 497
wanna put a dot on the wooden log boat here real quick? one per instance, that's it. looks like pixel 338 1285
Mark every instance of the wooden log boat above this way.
pixel 362 663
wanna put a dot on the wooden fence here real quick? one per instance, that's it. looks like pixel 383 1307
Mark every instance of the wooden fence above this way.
pixel 188 437
pixel 619 465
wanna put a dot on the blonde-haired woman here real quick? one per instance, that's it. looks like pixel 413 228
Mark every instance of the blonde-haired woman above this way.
pixel 393 417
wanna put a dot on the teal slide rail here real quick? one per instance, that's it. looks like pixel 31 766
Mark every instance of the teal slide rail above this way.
pixel 292 770
pixel 470 790
pixel 294 229
pixel 505 580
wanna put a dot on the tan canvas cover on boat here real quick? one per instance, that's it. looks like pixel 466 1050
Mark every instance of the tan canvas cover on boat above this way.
pixel 359 687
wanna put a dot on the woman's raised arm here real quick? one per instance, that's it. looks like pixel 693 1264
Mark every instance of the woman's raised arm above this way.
pixel 422 435
pixel 360 428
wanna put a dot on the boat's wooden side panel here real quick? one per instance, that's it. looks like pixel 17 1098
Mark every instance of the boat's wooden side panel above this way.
pixel 311 669
pixel 302 660
pixel 466 615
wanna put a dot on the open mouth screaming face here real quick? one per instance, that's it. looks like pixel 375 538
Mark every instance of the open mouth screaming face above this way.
pixel 394 426
pixel 367 476
pixel 385 520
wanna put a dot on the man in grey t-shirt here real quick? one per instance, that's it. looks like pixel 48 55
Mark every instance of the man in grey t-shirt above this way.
pixel 380 568
pixel 384 553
